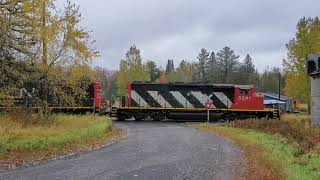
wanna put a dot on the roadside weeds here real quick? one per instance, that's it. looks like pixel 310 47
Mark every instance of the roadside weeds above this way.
pixel 268 156
pixel 30 144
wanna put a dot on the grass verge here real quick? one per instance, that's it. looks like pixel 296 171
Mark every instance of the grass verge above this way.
pixel 270 154
pixel 23 140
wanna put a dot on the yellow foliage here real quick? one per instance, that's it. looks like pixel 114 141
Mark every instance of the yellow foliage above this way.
pixel 162 78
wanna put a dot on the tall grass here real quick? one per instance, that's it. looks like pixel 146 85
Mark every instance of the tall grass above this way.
pixel 296 129
pixel 30 132
pixel 302 107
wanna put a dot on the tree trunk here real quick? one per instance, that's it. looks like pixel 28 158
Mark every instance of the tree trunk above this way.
pixel 44 35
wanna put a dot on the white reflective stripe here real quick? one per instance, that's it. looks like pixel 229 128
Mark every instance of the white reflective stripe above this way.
pixel 181 99
pixel 138 99
pixel 223 98
pixel 160 100
pixel 203 98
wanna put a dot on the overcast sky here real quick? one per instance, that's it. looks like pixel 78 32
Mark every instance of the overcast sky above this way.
pixel 178 29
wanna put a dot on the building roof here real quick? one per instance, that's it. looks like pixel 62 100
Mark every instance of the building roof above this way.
pixel 266 102
pixel 276 96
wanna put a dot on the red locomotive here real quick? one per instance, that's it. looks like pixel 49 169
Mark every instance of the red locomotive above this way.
pixel 182 101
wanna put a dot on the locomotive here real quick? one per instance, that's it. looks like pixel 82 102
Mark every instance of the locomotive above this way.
pixel 181 101
pixel 27 97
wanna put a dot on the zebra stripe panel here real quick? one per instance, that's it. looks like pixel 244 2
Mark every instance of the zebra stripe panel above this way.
pixel 138 99
pixel 223 98
pixel 203 98
pixel 159 99
pixel 182 100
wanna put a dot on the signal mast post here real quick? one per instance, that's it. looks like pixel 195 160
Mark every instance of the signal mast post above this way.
pixel 208 105
pixel 313 66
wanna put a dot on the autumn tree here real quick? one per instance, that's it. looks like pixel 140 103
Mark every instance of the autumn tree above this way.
pixel 182 74
pixel 15 43
pixel 162 78
pixel 50 44
pixel 108 80
pixel 306 41
pixel 122 79
pixel 131 69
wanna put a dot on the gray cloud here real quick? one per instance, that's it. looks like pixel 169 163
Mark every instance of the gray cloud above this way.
pixel 178 29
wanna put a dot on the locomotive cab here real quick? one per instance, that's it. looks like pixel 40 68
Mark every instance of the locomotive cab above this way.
pixel 246 98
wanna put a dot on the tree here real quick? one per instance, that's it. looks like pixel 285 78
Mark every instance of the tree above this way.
pixel 195 72
pixel 246 71
pixel 47 46
pixel 170 66
pixel 248 64
pixel 203 59
pixel 131 69
pixel 269 81
pixel 108 80
pixel 122 79
pixel 227 62
pixel 182 74
pixel 307 40
pixel 133 56
pixel 212 76
pixel 153 70
pixel 58 34
pixel 162 78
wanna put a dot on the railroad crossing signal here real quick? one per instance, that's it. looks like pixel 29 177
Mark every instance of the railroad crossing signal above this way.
pixel 208 104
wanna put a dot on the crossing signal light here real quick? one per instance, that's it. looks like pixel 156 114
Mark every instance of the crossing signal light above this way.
pixel 313 65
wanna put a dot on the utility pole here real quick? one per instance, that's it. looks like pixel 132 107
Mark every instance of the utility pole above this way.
pixel 279 85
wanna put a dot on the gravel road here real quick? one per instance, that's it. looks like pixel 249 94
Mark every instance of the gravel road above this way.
pixel 161 150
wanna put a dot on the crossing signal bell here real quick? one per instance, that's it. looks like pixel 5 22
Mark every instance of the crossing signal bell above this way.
pixel 313 65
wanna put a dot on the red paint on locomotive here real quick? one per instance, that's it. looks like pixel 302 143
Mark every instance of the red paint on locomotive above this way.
pixel 247 98
pixel 97 94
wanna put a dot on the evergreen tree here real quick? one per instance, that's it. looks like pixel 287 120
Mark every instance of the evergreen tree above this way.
pixel 246 71
pixel 227 63
pixel 203 59
pixel 212 76
pixel 133 56
pixel 153 70
pixel 170 66
pixel 269 80
pixel 248 64
pixel 195 73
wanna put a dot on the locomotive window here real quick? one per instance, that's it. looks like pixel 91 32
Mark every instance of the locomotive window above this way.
pixel 244 92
